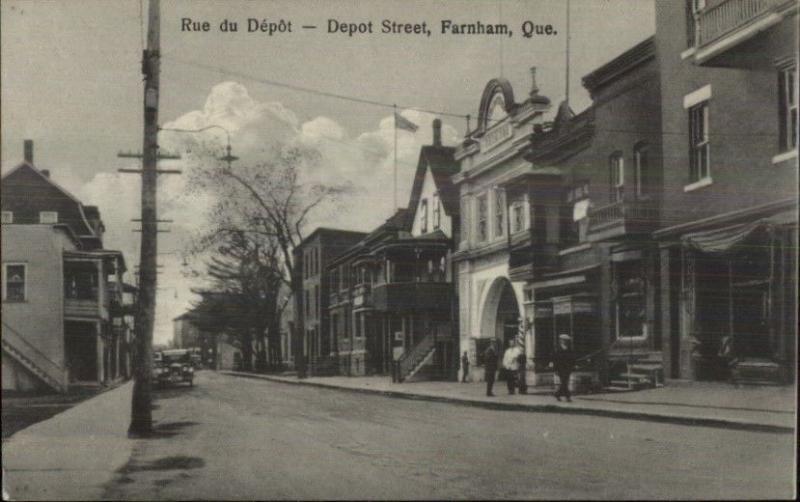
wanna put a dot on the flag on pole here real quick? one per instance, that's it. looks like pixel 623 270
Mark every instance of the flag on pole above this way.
pixel 401 122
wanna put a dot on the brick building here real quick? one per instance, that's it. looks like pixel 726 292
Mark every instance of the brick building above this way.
pixel 728 240
pixel 311 258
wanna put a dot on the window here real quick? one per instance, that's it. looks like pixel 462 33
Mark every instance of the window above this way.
pixel 641 171
pixel 48 217
pixel 14 280
pixel 574 213
pixel 316 301
pixel 482 218
pixel 787 94
pixel 437 212
pixel 423 216
pixel 499 213
pixel 517 216
pixel 616 169
pixel 8 217
pixel 629 301
pixel 308 303
pixel 699 146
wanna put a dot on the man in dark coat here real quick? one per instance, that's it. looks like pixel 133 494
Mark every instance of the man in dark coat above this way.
pixel 563 365
pixel 490 367
pixel 464 367
pixel 522 366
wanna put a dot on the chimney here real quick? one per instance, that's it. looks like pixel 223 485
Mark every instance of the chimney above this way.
pixel 29 151
pixel 437 132
pixel 534 87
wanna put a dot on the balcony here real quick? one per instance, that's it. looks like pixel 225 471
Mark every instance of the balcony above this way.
pixel 362 296
pixel 728 23
pixel 405 296
pixel 622 219
pixel 527 259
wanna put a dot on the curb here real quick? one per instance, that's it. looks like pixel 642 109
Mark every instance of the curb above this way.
pixel 542 408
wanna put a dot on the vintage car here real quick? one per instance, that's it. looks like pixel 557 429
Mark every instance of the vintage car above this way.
pixel 172 368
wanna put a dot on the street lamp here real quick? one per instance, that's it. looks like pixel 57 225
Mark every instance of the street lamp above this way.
pixel 228 157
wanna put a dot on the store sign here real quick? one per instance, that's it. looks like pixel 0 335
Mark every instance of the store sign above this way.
pixel 496 135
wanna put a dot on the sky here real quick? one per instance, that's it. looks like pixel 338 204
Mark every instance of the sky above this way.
pixel 71 81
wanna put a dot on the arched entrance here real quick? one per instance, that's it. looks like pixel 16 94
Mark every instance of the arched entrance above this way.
pixel 500 314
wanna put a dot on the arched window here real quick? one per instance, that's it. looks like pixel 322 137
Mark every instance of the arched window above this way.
pixel 616 171
pixel 641 170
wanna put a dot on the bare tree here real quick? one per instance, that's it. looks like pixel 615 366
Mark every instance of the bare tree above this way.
pixel 259 216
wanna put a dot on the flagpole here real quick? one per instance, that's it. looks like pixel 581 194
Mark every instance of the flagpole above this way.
pixel 394 186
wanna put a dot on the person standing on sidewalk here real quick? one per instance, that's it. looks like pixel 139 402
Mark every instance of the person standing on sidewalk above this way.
pixel 563 365
pixel 510 366
pixel 464 367
pixel 490 367
pixel 522 365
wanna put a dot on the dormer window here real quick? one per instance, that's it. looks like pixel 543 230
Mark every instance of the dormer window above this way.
pixel 48 217
pixel 8 217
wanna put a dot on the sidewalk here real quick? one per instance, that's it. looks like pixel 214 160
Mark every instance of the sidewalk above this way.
pixel 72 455
pixel 770 409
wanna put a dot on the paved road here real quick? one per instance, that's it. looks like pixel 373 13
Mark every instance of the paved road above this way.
pixel 238 438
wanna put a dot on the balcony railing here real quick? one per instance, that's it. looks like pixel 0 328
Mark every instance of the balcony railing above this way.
pixel 623 218
pixel 718 20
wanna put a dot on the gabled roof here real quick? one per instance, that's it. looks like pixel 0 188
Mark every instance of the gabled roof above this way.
pixel 442 164
pixel 17 197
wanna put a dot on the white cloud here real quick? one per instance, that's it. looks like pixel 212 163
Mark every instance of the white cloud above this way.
pixel 365 161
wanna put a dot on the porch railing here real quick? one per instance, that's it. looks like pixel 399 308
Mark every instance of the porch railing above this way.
pixel 635 211
pixel 726 16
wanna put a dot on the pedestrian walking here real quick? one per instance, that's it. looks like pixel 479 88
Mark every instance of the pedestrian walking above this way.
pixel 464 367
pixel 490 367
pixel 563 365
pixel 522 367
pixel 511 366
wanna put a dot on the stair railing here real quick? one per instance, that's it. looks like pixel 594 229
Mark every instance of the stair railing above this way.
pixel 44 364
pixel 409 361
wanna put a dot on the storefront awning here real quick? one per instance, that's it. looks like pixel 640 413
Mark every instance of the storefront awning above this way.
pixel 722 240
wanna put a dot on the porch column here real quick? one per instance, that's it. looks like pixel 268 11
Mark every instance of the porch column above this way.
pixel 100 352
pixel 667 336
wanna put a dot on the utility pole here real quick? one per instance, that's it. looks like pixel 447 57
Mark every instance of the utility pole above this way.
pixel 141 405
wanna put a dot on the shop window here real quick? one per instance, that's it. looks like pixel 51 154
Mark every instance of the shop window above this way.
pixel 629 299
pixel 14 282
pixel 699 162
pixel 787 108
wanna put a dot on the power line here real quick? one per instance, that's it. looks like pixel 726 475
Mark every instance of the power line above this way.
pixel 317 92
